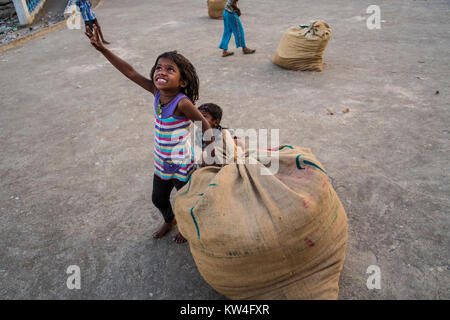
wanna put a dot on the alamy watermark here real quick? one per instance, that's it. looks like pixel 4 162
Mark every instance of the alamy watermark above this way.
pixel 220 152
pixel 374 20
pixel 74 280
pixel 374 280
pixel 74 20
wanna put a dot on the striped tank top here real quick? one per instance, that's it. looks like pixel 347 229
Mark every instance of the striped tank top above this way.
pixel 174 155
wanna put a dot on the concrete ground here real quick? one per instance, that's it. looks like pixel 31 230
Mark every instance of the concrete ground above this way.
pixel 76 161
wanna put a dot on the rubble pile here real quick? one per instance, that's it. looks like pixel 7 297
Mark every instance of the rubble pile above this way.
pixel 8 21
pixel 10 28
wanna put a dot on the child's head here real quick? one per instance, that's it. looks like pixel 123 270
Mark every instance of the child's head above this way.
pixel 187 81
pixel 212 113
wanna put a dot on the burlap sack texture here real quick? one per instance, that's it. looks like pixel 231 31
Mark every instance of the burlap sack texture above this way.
pixel 215 8
pixel 254 236
pixel 301 48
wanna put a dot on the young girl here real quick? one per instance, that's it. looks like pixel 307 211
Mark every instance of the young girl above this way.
pixel 174 83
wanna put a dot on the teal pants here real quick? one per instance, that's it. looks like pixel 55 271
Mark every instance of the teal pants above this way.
pixel 232 25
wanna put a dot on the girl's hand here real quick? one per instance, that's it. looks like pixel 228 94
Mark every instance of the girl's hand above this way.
pixel 94 37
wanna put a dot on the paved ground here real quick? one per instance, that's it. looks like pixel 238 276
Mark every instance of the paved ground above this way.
pixel 76 144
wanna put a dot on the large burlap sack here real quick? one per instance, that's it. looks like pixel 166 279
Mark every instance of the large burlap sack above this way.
pixel 215 8
pixel 302 48
pixel 254 236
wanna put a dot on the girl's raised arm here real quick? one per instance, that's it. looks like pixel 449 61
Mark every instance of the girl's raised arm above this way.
pixel 120 64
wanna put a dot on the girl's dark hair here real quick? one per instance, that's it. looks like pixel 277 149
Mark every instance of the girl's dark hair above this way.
pixel 187 71
pixel 213 109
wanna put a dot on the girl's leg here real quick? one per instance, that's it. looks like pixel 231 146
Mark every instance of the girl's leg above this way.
pixel 239 35
pixel 238 30
pixel 161 200
pixel 227 31
pixel 179 184
pixel 179 237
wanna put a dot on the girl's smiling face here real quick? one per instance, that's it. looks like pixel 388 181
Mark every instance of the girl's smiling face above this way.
pixel 167 75
pixel 188 82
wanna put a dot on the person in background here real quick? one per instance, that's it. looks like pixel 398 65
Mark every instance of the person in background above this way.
pixel 232 25
pixel 85 7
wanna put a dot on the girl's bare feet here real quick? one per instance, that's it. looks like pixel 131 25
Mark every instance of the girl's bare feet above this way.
pixel 164 229
pixel 246 50
pixel 227 53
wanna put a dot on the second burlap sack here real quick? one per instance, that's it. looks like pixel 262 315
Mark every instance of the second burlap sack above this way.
pixel 302 48
pixel 266 236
